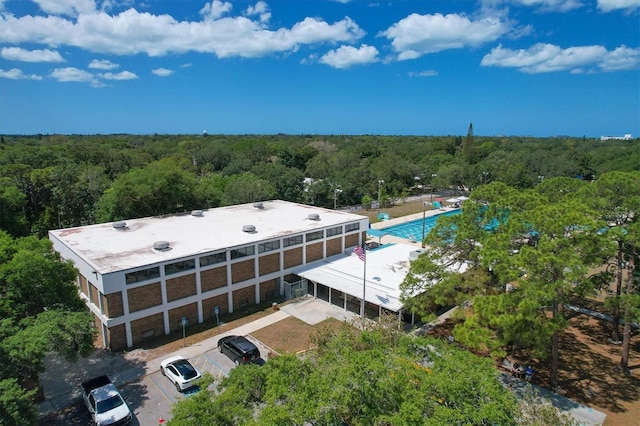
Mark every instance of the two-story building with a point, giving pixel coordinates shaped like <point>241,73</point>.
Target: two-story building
<point>146,277</point>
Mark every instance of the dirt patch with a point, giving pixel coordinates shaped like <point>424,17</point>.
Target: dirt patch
<point>589,371</point>
<point>290,335</point>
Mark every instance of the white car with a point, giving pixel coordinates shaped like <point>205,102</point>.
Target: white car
<point>180,371</point>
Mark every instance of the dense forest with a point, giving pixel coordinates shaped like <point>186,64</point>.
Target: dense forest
<point>57,181</point>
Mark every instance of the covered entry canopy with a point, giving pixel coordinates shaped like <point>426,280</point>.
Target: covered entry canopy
<point>386,269</point>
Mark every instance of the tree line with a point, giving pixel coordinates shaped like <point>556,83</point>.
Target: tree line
<point>58,181</point>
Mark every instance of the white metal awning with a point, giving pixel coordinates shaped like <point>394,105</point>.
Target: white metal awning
<point>386,268</point>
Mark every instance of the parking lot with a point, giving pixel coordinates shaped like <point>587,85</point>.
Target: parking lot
<point>151,397</point>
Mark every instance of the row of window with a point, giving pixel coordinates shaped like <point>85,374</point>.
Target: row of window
<point>212,259</point>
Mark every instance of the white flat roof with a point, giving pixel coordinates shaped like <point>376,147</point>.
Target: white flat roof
<point>108,249</point>
<point>386,266</point>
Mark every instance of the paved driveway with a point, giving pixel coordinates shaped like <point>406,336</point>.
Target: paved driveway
<point>149,394</point>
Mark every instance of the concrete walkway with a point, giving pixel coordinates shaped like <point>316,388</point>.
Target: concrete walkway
<point>584,415</point>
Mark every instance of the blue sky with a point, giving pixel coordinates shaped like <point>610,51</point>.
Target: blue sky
<point>429,67</point>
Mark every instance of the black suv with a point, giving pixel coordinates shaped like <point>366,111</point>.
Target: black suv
<point>239,349</point>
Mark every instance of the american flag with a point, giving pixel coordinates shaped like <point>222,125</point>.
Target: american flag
<point>359,251</point>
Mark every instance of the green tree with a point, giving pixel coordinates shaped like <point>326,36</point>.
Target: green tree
<point>359,378</point>
<point>542,241</point>
<point>247,188</point>
<point>16,406</point>
<point>617,196</point>
<point>12,202</point>
<point>40,311</point>
<point>163,187</point>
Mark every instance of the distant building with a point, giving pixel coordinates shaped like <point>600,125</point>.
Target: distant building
<point>145,277</point>
<point>626,137</point>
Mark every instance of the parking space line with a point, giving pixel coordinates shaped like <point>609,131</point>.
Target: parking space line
<point>162,391</point>
<point>215,364</point>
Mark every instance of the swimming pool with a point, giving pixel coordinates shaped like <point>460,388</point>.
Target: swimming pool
<point>413,230</point>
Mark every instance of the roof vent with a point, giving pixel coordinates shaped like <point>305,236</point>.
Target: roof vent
<point>258,205</point>
<point>161,245</point>
<point>249,229</point>
<point>313,216</point>
<point>120,225</point>
<point>415,254</point>
<point>196,213</point>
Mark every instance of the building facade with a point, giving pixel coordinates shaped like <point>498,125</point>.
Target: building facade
<point>150,276</point>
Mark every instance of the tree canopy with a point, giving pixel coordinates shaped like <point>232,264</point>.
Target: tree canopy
<point>527,254</point>
<point>358,378</point>
<point>40,311</point>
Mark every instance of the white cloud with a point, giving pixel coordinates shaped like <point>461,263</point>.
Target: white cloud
<point>2,5</point>
<point>162,72</point>
<point>417,35</point>
<point>67,7</point>
<point>261,10</point>
<point>72,74</point>
<point>102,64</point>
<point>23,55</point>
<point>622,58</point>
<point>425,73</point>
<point>609,5</point>
<point>16,74</point>
<point>348,56</point>
<point>123,75</point>
<point>131,32</point>
<point>541,58</point>
<point>215,9</point>
<point>540,5</point>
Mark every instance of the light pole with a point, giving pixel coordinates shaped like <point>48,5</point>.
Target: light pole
<point>433,176</point>
<point>335,197</point>
<point>380,182</point>
<point>484,177</point>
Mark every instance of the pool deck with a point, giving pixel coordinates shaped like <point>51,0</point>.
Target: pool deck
<point>390,239</point>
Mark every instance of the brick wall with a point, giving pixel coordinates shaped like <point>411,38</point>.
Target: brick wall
<point>269,290</point>
<point>334,246</point>
<point>314,252</point>
<point>180,287</point>
<point>269,263</point>
<point>242,271</point>
<point>93,294</point>
<point>293,257</point>
<point>153,322</point>
<point>213,278</point>
<point>112,305</point>
<point>83,286</point>
<point>244,295</point>
<point>219,301</point>
<point>98,324</point>
<point>190,311</point>
<point>144,297</point>
<point>351,240</point>
<point>117,338</point>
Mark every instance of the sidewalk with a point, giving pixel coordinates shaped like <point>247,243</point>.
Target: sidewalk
<point>584,415</point>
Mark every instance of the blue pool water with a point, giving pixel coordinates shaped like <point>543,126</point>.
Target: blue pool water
<point>413,230</point>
